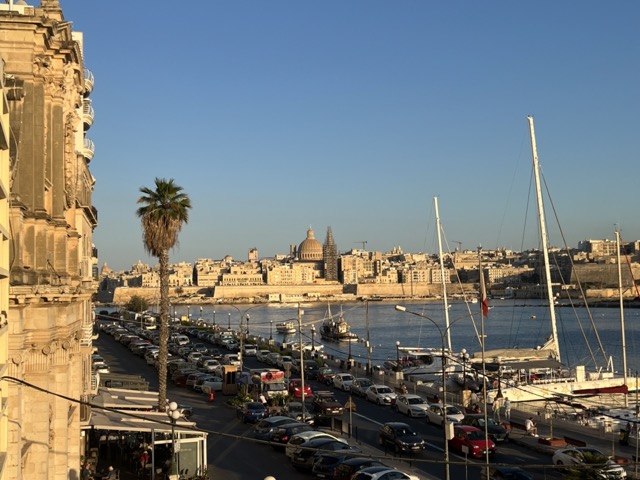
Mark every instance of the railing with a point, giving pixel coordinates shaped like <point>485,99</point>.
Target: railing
<point>87,112</point>
<point>88,81</point>
<point>89,149</point>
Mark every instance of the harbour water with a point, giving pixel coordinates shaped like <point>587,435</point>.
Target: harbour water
<point>511,323</point>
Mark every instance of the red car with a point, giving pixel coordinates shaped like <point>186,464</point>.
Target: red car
<point>471,439</point>
<point>325,375</point>
<point>295,388</point>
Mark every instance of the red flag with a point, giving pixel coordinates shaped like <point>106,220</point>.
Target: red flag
<point>483,295</point>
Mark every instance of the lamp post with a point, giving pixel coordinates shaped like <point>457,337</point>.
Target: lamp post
<point>214,319</point>
<point>313,338</point>
<point>400,308</point>
<point>464,358</point>
<point>247,329</point>
<point>350,358</point>
<point>270,331</point>
<point>188,314</point>
<point>397,354</point>
<point>229,320</point>
<point>174,414</point>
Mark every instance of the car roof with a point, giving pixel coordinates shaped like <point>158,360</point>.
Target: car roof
<point>397,424</point>
<point>467,428</point>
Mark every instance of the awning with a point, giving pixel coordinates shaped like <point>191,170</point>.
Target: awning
<point>125,399</point>
<point>141,422</point>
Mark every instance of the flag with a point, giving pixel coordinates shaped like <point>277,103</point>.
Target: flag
<point>483,295</point>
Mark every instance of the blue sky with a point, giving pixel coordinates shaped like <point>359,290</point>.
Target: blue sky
<point>279,115</point>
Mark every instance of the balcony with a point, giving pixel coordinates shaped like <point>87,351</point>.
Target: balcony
<point>88,81</point>
<point>88,149</point>
<point>87,113</point>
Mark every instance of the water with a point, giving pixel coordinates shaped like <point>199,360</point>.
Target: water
<point>511,323</point>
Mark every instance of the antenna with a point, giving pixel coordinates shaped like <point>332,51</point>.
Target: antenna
<point>363,242</point>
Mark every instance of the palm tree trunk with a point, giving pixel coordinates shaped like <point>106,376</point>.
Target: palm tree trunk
<point>163,352</point>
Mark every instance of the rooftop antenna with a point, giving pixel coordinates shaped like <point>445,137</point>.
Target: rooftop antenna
<point>363,242</point>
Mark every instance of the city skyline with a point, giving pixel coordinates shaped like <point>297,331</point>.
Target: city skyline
<point>276,117</point>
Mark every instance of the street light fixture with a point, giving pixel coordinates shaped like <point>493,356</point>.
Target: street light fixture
<point>247,331</point>
<point>464,358</point>
<point>174,414</point>
<point>214,319</point>
<point>401,308</point>
<point>270,331</point>
<point>313,338</point>
<point>229,320</point>
<point>397,354</point>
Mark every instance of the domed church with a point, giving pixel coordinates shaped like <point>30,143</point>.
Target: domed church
<point>310,250</point>
<point>323,258</point>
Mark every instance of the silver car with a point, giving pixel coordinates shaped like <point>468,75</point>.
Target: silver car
<point>411,405</point>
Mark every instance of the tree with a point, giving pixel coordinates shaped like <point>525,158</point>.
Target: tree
<point>163,213</point>
<point>137,304</point>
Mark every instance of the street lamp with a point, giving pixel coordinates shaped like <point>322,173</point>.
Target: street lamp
<point>397,354</point>
<point>174,414</point>
<point>464,358</point>
<point>188,314</point>
<point>247,331</point>
<point>214,319</point>
<point>229,320</point>
<point>313,338</point>
<point>350,358</point>
<point>270,331</point>
<point>400,308</point>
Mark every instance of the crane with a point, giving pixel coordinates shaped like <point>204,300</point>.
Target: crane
<point>363,242</point>
<point>459,245</point>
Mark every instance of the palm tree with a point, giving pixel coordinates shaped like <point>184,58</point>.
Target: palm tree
<point>162,214</point>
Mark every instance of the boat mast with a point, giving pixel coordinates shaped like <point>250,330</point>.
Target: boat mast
<point>543,235</point>
<point>444,284</point>
<point>624,341</point>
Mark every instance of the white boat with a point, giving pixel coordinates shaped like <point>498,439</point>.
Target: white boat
<point>557,383</point>
<point>286,328</point>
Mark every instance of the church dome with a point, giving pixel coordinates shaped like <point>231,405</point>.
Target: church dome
<point>310,250</point>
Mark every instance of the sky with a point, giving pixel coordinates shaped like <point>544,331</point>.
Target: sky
<point>276,116</point>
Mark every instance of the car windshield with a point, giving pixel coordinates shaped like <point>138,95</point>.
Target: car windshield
<point>404,432</point>
<point>384,390</point>
<point>416,401</point>
<point>476,435</point>
<point>452,411</point>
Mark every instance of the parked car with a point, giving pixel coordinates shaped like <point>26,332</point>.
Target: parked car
<point>473,439</point>
<point>411,405</point>
<point>497,432</point>
<point>212,384</point>
<point>380,394</point>
<point>295,388</point>
<point>251,412</point>
<point>311,369</point>
<point>360,385</point>
<point>261,355</point>
<point>272,358</point>
<point>400,437</point>
<point>263,430</point>
<point>382,473</point>
<point>249,350</point>
<point>284,432</point>
<point>343,381</point>
<point>303,458</point>
<point>347,468</point>
<point>602,464</point>
<point>299,440</point>
<point>210,365</point>
<point>282,360</point>
<point>294,410</point>
<point>436,412</point>
<point>325,464</point>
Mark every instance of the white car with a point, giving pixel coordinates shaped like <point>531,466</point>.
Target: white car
<point>436,410</point>
<point>605,467</point>
<point>343,381</point>
<point>380,394</point>
<point>250,350</point>
<point>411,405</point>
<point>212,383</point>
<point>210,365</point>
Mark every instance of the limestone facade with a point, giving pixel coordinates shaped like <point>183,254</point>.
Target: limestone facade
<point>52,258</point>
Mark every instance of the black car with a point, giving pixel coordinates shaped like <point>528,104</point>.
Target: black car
<point>347,468</point>
<point>283,433</point>
<point>304,457</point>
<point>400,437</point>
<point>496,431</point>
<point>252,412</point>
<point>311,369</point>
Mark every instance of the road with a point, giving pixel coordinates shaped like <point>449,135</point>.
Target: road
<point>233,454</point>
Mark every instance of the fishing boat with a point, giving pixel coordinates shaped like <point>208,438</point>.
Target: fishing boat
<point>336,329</point>
<point>554,381</point>
<point>286,328</point>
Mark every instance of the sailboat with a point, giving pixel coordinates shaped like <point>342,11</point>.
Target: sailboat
<point>576,383</point>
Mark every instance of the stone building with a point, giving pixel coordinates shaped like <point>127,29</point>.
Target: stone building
<point>330,257</point>
<point>51,255</point>
<point>4,269</point>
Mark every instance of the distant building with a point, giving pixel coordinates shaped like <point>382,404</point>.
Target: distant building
<point>330,257</point>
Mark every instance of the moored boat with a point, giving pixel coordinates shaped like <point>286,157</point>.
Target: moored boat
<point>286,328</point>
<point>336,329</point>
